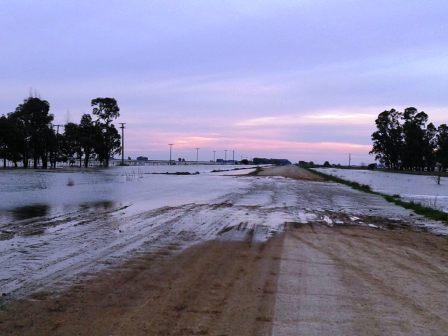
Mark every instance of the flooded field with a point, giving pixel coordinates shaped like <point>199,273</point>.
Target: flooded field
<point>57,227</point>
<point>58,221</point>
<point>417,188</point>
<point>123,252</point>
<point>32,193</point>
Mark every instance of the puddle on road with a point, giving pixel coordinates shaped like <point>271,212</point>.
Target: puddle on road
<point>35,219</point>
<point>101,205</point>
<point>30,211</point>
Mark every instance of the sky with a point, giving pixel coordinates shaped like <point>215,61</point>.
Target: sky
<point>302,79</point>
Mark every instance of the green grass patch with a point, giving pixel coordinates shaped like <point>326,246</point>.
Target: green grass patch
<point>416,207</point>
<point>354,185</point>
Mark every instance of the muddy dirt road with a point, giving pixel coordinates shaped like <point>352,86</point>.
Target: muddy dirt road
<point>339,262</point>
<point>353,281</point>
<point>311,280</point>
<point>293,172</point>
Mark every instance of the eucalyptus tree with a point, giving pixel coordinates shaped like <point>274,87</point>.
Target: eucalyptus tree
<point>442,146</point>
<point>72,146</point>
<point>89,134</point>
<point>414,145</point>
<point>14,140</point>
<point>4,129</point>
<point>33,118</point>
<point>387,140</point>
<point>429,147</point>
<point>107,142</point>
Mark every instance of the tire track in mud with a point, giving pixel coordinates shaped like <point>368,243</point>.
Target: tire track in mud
<point>346,257</point>
<point>404,259</point>
<point>215,288</point>
<point>185,224</point>
<point>119,247</point>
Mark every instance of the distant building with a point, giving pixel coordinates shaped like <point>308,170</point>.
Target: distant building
<point>222,161</point>
<point>278,162</point>
<point>142,158</point>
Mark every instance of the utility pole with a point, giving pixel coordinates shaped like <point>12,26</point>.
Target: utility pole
<point>122,142</point>
<point>197,154</point>
<point>171,148</point>
<point>214,156</point>
<point>349,159</point>
<point>225,156</point>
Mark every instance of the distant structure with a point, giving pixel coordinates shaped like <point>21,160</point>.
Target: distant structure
<point>278,162</point>
<point>142,158</point>
<point>223,161</point>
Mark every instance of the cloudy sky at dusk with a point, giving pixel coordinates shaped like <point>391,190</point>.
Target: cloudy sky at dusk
<point>299,79</point>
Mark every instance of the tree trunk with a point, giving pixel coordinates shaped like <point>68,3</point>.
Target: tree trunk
<point>45,161</point>
<point>86,159</point>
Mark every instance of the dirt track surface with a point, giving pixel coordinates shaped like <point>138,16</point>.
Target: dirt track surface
<point>291,172</point>
<point>359,281</point>
<point>218,288</point>
<point>311,280</point>
<point>347,263</point>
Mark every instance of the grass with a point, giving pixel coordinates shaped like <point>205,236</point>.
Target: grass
<point>425,211</point>
<point>393,171</point>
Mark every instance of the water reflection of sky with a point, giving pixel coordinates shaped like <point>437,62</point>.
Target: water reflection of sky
<point>29,194</point>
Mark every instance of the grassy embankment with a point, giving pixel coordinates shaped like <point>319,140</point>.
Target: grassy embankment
<point>392,171</point>
<point>417,208</point>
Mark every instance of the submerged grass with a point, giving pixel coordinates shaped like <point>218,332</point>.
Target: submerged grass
<point>425,211</point>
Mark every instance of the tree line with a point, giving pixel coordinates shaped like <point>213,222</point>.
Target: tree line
<point>408,141</point>
<point>28,135</point>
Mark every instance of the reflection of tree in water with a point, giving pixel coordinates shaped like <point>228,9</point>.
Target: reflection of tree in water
<point>100,205</point>
<point>30,211</point>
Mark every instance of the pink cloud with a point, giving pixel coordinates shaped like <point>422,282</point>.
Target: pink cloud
<point>159,140</point>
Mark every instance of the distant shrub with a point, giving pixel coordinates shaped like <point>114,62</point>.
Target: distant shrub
<point>365,187</point>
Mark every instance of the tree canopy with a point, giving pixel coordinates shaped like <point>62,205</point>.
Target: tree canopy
<point>27,134</point>
<point>405,140</point>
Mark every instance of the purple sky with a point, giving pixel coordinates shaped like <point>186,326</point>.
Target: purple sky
<point>296,79</point>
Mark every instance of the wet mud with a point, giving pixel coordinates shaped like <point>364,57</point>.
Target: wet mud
<point>281,256</point>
